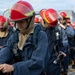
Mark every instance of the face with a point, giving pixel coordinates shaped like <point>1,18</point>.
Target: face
<point>22,24</point>
<point>63,21</point>
<point>3,27</point>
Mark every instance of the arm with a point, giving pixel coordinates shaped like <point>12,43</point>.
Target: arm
<point>6,52</point>
<point>70,31</point>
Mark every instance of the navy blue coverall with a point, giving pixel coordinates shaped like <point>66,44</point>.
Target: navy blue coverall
<point>52,69</point>
<point>65,33</point>
<point>3,40</point>
<point>32,61</point>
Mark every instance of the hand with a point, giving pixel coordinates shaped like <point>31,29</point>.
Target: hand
<point>1,46</point>
<point>6,68</point>
<point>64,54</point>
<point>62,26</point>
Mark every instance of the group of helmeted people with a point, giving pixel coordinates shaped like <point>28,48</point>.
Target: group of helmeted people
<point>36,47</point>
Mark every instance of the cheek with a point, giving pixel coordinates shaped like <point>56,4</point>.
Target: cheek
<point>24,25</point>
<point>20,25</point>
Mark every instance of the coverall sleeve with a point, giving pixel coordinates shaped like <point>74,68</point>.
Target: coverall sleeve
<point>36,64</point>
<point>6,54</point>
<point>70,31</point>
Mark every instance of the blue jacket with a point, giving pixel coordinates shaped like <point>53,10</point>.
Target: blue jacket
<point>65,34</point>
<point>33,61</point>
<point>3,40</point>
<point>51,34</point>
<point>52,68</point>
<point>74,40</point>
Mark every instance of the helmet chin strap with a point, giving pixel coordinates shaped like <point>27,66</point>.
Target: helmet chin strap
<point>28,23</point>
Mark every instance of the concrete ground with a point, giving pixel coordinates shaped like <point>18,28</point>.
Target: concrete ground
<point>71,73</point>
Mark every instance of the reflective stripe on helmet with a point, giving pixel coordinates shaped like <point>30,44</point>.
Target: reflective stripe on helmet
<point>45,17</point>
<point>29,13</point>
<point>50,17</point>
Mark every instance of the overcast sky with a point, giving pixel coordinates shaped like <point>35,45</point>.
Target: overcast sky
<point>41,4</point>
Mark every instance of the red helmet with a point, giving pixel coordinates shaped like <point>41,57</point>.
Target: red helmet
<point>3,21</point>
<point>50,16</point>
<point>36,20</point>
<point>63,14</point>
<point>21,10</point>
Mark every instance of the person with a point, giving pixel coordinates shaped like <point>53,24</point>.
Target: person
<point>36,20</point>
<point>5,31</point>
<point>67,32</point>
<point>69,22</point>
<point>27,59</point>
<point>72,50</point>
<point>49,25</point>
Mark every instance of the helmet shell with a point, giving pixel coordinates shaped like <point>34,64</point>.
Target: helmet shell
<point>3,21</point>
<point>50,16</point>
<point>63,14</point>
<point>21,10</point>
<point>36,20</point>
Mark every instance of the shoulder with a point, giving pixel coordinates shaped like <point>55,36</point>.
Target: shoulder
<point>38,29</point>
<point>42,34</point>
<point>14,35</point>
<point>11,30</point>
